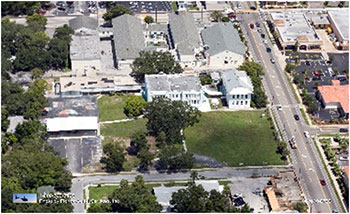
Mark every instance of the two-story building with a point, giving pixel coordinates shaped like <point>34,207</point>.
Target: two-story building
<point>223,46</point>
<point>179,87</point>
<point>185,39</point>
<point>237,88</point>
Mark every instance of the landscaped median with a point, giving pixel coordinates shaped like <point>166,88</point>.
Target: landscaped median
<point>240,138</point>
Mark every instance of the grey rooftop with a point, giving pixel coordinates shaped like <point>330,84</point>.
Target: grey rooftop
<point>85,47</point>
<point>172,82</point>
<point>222,37</point>
<point>128,36</point>
<point>236,79</point>
<point>83,22</point>
<point>184,30</point>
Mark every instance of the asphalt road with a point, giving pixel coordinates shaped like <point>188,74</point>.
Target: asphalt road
<point>80,183</point>
<point>306,160</point>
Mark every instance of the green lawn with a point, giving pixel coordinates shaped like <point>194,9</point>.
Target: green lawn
<point>112,107</point>
<point>234,138</point>
<point>124,129</point>
<point>98,193</point>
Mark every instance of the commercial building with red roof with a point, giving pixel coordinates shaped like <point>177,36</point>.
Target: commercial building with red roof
<point>335,96</point>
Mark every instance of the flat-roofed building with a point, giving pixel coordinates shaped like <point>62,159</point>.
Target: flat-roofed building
<point>336,97</point>
<point>293,29</point>
<point>319,21</point>
<point>339,20</point>
<point>84,24</point>
<point>85,54</point>
<point>179,87</point>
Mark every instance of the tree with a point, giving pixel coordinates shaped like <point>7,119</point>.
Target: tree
<point>116,11</point>
<point>148,19</point>
<point>138,142</point>
<point>225,19</point>
<point>301,207</point>
<point>19,8</point>
<point>36,73</point>
<point>146,158</point>
<point>194,176</point>
<point>282,149</point>
<point>134,198</point>
<point>298,80</point>
<point>115,157</point>
<point>4,121</point>
<point>196,199</point>
<point>170,117</point>
<point>226,191</point>
<point>134,106</point>
<point>289,68</point>
<point>31,129</point>
<point>259,98</point>
<point>216,16</point>
<point>99,208</point>
<point>154,63</point>
<point>36,22</point>
<point>174,158</point>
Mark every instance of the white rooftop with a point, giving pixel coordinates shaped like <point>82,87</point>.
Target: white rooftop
<point>71,123</point>
<point>341,21</point>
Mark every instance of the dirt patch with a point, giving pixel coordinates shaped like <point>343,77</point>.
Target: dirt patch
<point>91,168</point>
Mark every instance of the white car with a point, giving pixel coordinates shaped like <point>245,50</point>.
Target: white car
<point>265,41</point>
<point>306,133</point>
<point>279,107</point>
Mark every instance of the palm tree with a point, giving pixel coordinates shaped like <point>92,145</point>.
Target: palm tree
<point>216,15</point>
<point>194,176</point>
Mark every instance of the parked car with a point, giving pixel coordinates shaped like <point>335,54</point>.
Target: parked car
<point>279,107</point>
<point>292,143</point>
<point>296,117</point>
<point>262,36</point>
<point>253,8</point>
<point>306,133</point>
<point>344,158</point>
<point>343,130</point>
<point>307,63</point>
<point>251,26</point>
<point>323,182</point>
<point>272,61</point>
<point>257,24</point>
<point>268,50</point>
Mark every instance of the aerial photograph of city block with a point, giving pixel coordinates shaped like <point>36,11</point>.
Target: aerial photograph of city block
<point>174,106</point>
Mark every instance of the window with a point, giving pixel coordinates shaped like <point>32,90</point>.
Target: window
<point>225,61</point>
<point>246,102</point>
<point>233,96</point>
<point>246,96</point>
<point>237,103</point>
<point>241,102</point>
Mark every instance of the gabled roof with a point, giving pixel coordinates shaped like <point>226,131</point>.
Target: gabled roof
<point>222,37</point>
<point>85,47</point>
<point>83,22</point>
<point>236,80</point>
<point>128,36</point>
<point>184,30</point>
<point>164,194</point>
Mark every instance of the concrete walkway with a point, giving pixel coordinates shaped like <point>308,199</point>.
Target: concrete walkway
<point>120,121</point>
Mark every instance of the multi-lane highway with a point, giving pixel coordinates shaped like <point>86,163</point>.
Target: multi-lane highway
<point>305,158</point>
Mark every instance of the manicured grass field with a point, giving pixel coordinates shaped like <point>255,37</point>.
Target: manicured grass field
<point>234,138</point>
<point>112,107</point>
<point>124,129</point>
<point>98,193</point>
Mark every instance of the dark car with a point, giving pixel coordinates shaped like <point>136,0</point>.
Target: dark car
<point>323,182</point>
<point>239,201</point>
<point>257,24</point>
<point>268,50</point>
<point>307,63</point>
<point>251,26</point>
<point>262,36</point>
<point>296,117</point>
<point>343,130</point>
<point>253,8</point>
<point>61,3</point>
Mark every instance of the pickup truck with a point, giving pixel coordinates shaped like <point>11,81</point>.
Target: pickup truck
<point>293,143</point>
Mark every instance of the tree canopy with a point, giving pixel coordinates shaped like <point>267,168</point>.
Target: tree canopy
<point>149,19</point>
<point>154,63</point>
<point>37,22</point>
<point>134,106</point>
<point>116,11</point>
<point>175,158</point>
<point>136,197</point>
<point>216,16</point>
<point>255,71</point>
<point>115,157</point>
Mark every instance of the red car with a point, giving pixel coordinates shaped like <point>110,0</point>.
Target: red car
<point>323,182</point>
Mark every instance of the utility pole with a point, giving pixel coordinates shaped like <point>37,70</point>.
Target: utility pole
<point>202,14</point>
<point>156,14</point>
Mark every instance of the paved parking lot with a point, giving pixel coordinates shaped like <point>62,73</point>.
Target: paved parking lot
<point>147,6</point>
<point>78,151</point>
<point>246,186</point>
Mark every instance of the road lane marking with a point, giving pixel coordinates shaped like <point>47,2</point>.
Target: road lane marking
<point>323,192</point>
